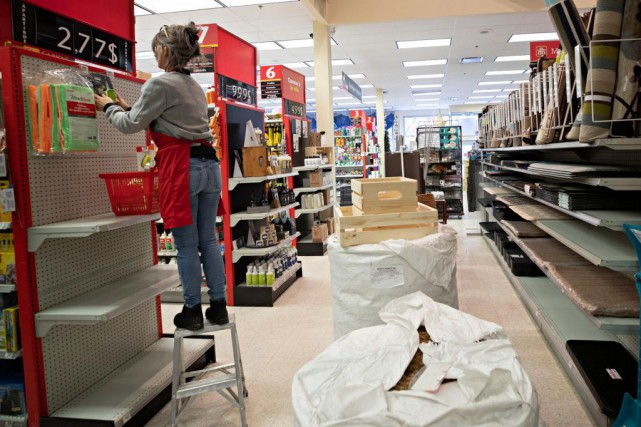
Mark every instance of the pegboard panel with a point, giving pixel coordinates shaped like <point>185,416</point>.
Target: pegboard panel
<point>65,187</point>
<point>76,357</point>
<point>67,268</point>
<point>631,343</point>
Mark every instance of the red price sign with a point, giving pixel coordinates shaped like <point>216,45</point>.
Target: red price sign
<point>548,49</point>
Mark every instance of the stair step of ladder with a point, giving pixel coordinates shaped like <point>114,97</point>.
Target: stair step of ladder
<point>201,386</point>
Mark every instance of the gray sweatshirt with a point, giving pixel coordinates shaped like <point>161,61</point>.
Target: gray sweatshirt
<point>172,103</point>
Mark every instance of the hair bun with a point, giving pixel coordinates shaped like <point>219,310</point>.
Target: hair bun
<point>193,35</point>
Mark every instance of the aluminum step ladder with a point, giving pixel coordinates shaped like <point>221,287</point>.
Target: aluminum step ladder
<point>222,378</point>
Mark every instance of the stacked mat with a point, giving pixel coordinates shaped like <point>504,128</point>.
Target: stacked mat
<point>523,229</point>
<point>547,250</point>
<point>598,291</point>
<point>570,171</point>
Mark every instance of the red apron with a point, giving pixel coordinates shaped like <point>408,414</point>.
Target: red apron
<point>172,160</point>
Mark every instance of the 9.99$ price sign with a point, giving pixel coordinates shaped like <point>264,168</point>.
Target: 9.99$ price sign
<point>238,91</point>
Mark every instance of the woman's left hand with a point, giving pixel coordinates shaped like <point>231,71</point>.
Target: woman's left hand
<point>101,101</point>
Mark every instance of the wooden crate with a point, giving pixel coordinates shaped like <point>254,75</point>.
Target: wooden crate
<point>384,195</point>
<point>354,229</point>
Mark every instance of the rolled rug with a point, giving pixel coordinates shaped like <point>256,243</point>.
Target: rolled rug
<point>601,80</point>
<point>628,72</point>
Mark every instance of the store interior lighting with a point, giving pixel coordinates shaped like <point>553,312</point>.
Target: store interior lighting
<point>410,44</point>
<point>425,76</point>
<point>424,63</point>
<point>533,37</point>
<point>505,72</point>
<point>512,58</point>
<point>267,46</point>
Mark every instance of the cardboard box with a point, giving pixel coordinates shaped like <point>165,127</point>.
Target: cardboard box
<point>330,226</point>
<point>316,179</point>
<point>255,161</point>
<point>319,233</point>
<point>327,197</point>
<point>314,139</point>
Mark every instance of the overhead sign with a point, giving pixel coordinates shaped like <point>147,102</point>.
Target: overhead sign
<point>202,64</point>
<point>547,49</point>
<point>293,85</point>
<point>352,87</point>
<point>270,81</point>
<point>41,28</point>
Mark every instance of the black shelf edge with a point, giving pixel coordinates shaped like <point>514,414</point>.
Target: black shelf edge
<point>262,296</point>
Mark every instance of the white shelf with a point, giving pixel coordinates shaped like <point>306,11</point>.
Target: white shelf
<point>10,354</point>
<point>237,254</point>
<point>601,246</point>
<point>10,419</point>
<point>5,289</point>
<point>348,166</point>
<point>274,121</point>
<point>348,176</point>
<point>313,168</point>
<point>611,143</point>
<point>299,190</point>
<point>167,253</point>
<point>244,216</point>
<point>300,212</point>
<point>110,300</point>
<point>233,182</point>
<point>610,219</point>
<point>614,183</point>
<point>123,393</point>
<point>83,227</point>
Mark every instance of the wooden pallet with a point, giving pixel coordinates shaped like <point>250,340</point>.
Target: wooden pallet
<point>354,229</point>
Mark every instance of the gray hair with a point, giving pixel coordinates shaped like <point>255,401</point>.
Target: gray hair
<point>182,41</point>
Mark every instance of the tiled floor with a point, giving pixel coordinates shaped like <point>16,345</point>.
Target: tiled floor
<point>276,342</point>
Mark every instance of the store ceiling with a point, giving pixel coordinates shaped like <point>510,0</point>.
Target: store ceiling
<point>374,52</point>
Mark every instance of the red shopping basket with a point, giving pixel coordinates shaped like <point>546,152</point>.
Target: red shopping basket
<point>132,193</point>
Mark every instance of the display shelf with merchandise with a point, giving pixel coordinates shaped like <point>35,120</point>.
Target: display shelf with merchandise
<point>299,190</point>
<point>233,182</point>
<point>300,212</point>
<point>312,167</point>
<point>619,144</point>
<point>244,216</point>
<point>265,296</point>
<point>237,254</point>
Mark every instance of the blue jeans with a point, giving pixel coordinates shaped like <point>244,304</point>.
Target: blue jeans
<point>205,185</point>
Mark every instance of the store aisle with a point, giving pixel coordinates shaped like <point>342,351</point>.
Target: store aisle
<point>277,341</point>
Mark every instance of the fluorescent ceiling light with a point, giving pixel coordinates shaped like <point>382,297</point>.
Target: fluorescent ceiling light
<point>410,44</point>
<point>347,103</point>
<point>367,86</point>
<point>148,54</point>
<point>267,46</point>
<point>500,96</point>
<point>167,6</point>
<point>369,96</point>
<point>351,76</point>
<point>310,78</point>
<point>505,72</point>
<point>533,37</point>
<point>427,94</point>
<point>425,76</point>
<point>480,97</point>
<point>293,44</point>
<point>512,58</point>
<point>472,60</point>
<point>486,90</point>
<point>234,3</point>
<point>516,82</point>
<point>503,82</point>
<point>295,65</point>
<point>343,97</point>
<point>139,11</point>
<point>426,62</point>
<point>335,62</point>
<point>425,86</point>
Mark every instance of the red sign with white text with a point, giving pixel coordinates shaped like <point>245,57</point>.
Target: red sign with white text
<point>293,85</point>
<point>371,123</point>
<point>271,72</point>
<point>548,49</point>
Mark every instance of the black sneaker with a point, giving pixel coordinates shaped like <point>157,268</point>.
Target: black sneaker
<point>190,318</point>
<point>217,312</point>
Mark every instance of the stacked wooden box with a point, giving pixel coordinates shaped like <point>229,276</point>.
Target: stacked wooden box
<point>384,208</point>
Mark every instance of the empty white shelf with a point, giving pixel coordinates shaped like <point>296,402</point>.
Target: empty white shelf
<point>233,182</point>
<point>601,246</point>
<point>83,227</point>
<point>299,190</point>
<point>244,216</point>
<point>110,300</point>
<point>237,254</point>
<point>300,212</point>
<point>124,392</point>
<point>313,168</point>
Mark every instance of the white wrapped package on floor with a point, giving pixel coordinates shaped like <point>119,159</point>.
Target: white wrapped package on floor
<point>346,385</point>
<point>366,277</point>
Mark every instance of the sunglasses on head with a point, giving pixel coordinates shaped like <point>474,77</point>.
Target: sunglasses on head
<point>164,30</point>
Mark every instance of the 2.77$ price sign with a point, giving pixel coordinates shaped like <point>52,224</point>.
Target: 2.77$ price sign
<point>38,27</point>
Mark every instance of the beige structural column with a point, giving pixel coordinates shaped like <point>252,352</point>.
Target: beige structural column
<point>380,129</point>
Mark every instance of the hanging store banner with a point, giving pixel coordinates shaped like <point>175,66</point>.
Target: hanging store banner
<point>352,87</point>
<point>547,49</point>
<point>35,26</point>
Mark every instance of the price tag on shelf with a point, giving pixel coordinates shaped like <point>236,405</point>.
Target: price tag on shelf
<point>294,108</point>
<point>238,91</point>
<point>8,200</point>
<point>38,27</point>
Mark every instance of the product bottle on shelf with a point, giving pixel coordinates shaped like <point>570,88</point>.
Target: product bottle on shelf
<point>163,241</point>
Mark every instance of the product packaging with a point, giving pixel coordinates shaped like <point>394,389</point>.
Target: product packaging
<point>61,112</point>
<point>12,328</point>
<point>7,259</point>
<point>12,400</point>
